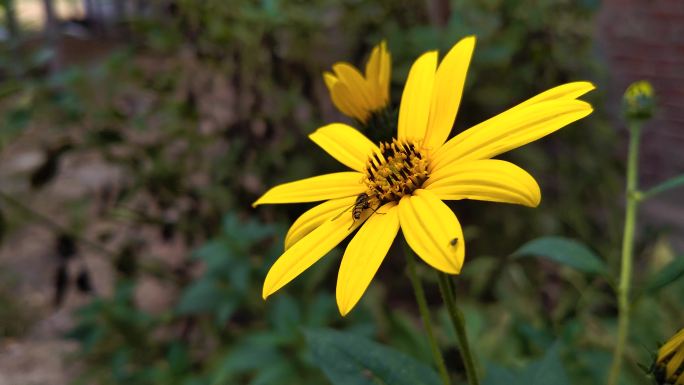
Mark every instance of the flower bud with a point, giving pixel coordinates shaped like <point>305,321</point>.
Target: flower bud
<point>639,101</point>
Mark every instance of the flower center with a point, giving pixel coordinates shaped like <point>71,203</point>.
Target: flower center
<point>397,170</point>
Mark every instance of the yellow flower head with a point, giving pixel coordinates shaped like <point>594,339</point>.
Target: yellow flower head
<point>355,95</point>
<point>402,184</point>
<point>669,366</point>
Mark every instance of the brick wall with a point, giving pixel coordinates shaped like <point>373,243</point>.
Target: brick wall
<point>644,39</point>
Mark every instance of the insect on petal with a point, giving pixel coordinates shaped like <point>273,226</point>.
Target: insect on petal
<point>363,256</point>
<point>430,228</point>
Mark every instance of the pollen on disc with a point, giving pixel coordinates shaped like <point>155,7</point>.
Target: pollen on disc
<point>398,169</point>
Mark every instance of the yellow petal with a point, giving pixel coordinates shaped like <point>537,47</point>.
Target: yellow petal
<point>373,71</point>
<point>345,144</point>
<point>347,102</point>
<point>353,79</point>
<point>432,231</point>
<point>417,97</point>
<point>363,256</point>
<point>314,217</point>
<point>566,91</point>
<point>385,72</point>
<point>671,345</point>
<point>329,80</point>
<point>446,97</point>
<point>377,75</point>
<point>675,364</point>
<point>509,130</point>
<point>317,188</point>
<point>308,250</point>
<point>374,62</point>
<point>487,180</point>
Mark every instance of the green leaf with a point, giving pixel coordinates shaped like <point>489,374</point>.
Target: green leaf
<point>564,251</point>
<point>178,358</point>
<point>547,370</point>
<point>243,358</point>
<point>285,315</point>
<point>667,275</point>
<point>218,257</point>
<point>347,359</point>
<point>496,375</point>
<point>280,372</point>
<point>239,277</point>
<point>248,357</point>
<point>406,337</point>
<point>226,310</point>
<point>202,296</point>
<point>321,309</point>
<point>244,233</point>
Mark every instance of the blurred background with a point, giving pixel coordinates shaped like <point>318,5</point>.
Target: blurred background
<point>134,135</point>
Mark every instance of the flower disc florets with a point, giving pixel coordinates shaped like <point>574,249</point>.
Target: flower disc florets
<point>398,169</point>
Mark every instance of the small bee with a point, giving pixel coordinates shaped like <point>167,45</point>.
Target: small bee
<point>453,242</point>
<point>362,203</point>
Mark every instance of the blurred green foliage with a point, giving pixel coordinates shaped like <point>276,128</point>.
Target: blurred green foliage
<point>347,359</point>
<point>219,332</point>
<point>564,251</point>
<point>206,104</point>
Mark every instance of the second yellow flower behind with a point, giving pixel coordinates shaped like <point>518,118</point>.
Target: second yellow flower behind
<point>359,96</point>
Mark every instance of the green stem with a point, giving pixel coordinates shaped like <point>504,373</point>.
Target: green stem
<point>632,199</point>
<point>662,187</point>
<point>425,314</point>
<point>447,289</point>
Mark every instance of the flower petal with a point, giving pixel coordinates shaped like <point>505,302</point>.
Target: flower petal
<point>488,180</point>
<point>385,72</point>
<point>373,63</point>
<point>509,130</point>
<point>432,231</point>
<point>317,188</point>
<point>346,144</point>
<point>373,70</point>
<point>363,256</point>
<point>329,80</point>
<point>673,366</point>
<point>314,217</point>
<point>350,76</point>
<point>446,97</point>
<point>347,102</point>
<point>308,250</point>
<point>566,91</point>
<point>416,99</point>
<point>672,344</point>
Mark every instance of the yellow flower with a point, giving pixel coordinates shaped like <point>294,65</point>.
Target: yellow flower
<point>356,96</point>
<point>406,180</point>
<point>669,367</point>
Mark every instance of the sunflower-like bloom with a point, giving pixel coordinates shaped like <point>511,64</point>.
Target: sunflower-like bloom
<point>355,95</point>
<point>669,366</point>
<point>403,183</point>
